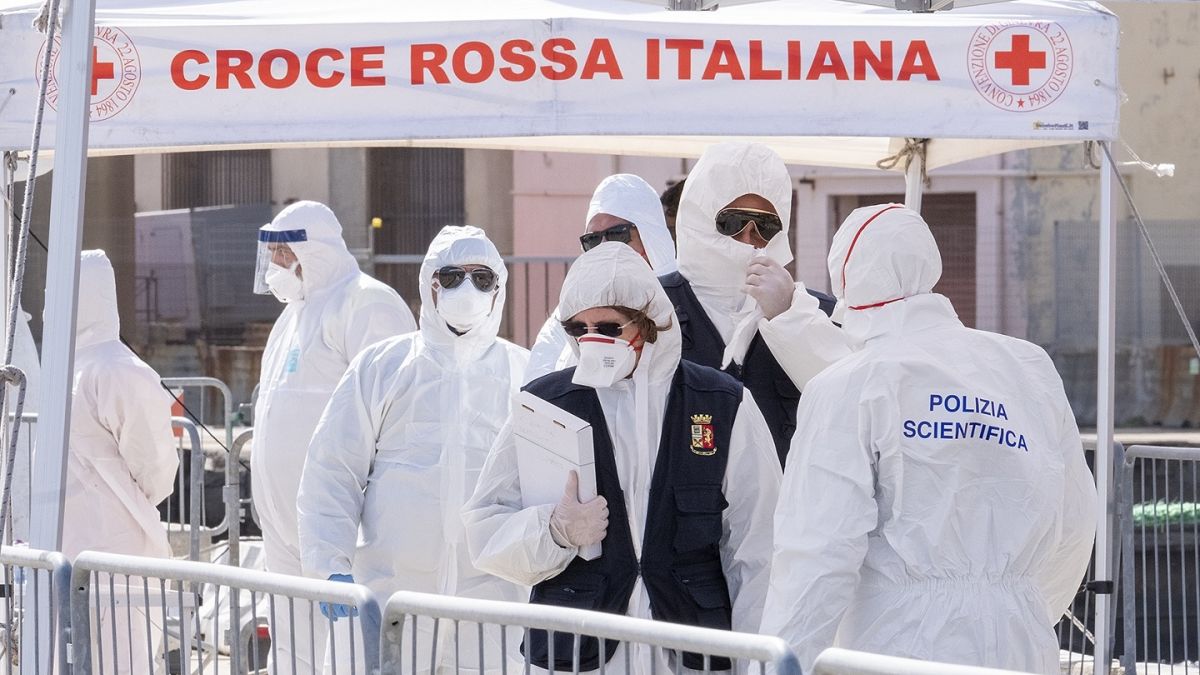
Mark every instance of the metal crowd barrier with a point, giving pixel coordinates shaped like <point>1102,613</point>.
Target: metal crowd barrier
<point>405,642</point>
<point>36,611</point>
<point>149,615</point>
<point>202,383</point>
<point>186,510</point>
<point>227,418</point>
<point>235,506</point>
<point>835,661</point>
<point>1159,529</point>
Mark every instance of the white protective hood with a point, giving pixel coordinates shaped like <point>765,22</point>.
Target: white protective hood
<point>614,275</point>
<point>725,172</point>
<point>461,245</point>
<point>627,196</point>
<point>324,258</point>
<point>97,320</point>
<point>869,264</point>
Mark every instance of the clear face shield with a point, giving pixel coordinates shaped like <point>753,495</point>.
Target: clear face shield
<point>274,248</point>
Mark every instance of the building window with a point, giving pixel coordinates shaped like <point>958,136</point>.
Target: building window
<point>195,179</point>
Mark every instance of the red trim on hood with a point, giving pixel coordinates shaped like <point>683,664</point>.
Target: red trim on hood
<point>854,242</point>
<point>878,304</point>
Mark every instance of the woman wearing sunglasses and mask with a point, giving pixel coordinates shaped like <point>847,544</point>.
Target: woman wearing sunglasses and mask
<point>686,474</point>
<point>397,452</point>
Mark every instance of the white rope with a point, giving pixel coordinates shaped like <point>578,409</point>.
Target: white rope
<point>50,9</point>
<point>913,148</point>
<point>42,21</point>
<point>1164,170</point>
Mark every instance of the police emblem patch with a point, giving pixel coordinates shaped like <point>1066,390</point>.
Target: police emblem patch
<point>704,440</point>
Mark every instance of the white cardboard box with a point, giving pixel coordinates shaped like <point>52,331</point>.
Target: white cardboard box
<point>551,443</point>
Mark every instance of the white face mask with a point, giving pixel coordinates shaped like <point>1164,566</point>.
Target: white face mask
<point>603,361</point>
<point>464,307</point>
<point>284,283</point>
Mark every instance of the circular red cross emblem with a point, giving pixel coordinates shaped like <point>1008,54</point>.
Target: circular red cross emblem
<point>1020,66</point>
<point>116,72</point>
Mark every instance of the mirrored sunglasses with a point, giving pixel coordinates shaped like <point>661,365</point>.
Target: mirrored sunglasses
<point>622,233</point>
<point>452,275</point>
<point>731,222</point>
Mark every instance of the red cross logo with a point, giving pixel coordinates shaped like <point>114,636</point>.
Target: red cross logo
<point>1020,60</point>
<point>105,70</point>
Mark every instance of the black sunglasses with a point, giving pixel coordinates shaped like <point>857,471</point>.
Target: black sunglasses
<point>730,222</point>
<point>451,276</point>
<point>578,329</point>
<point>622,233</point>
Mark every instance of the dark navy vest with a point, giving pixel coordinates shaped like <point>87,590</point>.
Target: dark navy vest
<point>681,560</point>
<point>774,392</point>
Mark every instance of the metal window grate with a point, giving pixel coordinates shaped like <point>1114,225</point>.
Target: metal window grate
<point>194,179</point>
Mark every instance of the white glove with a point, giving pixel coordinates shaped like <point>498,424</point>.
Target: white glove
<point>770,285</point>
<point>574,524</point>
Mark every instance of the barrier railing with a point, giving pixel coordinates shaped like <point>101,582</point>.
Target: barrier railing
<point>1159,529</point>
<point>845,662</point>
<point>37,610</point>
<point>203,383</point>
<point>492,626</point>
<point>185,510</point>
<point>235,506</point>
<point>147,611</point>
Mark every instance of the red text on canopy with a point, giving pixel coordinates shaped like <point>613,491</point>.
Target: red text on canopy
<point>324,67</point>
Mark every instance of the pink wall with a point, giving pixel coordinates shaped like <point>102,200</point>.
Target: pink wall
<point>551,193</point>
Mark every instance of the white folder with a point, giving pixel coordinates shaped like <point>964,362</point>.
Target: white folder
<point>551,443</point>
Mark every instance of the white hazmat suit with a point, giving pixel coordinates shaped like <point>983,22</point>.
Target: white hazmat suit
<point>399,449</point>
<point>937,505</point>
<point>626,196</point>
<point>515,542</point>
<point>342,312</point>
<point>122,458</point>
<point>802,338</point>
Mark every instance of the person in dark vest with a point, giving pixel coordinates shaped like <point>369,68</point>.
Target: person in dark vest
<point>686,472</point>
<point>738,308</point>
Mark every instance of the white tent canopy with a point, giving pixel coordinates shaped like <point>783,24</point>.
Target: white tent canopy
<point>825,82</point>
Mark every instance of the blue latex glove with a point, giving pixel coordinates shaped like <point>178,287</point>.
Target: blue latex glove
<point>332,611</point>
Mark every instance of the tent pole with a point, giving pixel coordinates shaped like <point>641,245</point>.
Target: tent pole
<point>1105,376</point>
<point>62,272</point>
<point>62,294</point>
<point>913,183</point>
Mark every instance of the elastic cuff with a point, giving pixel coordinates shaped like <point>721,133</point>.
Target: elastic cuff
<point>557,534</point>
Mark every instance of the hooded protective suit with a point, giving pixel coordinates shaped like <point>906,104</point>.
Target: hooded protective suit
<point>802,339</point>
<point>399,448</point>
<point>937,504</point>
<point>515,542</point>
<point>623,195</point>
<point>342,312</point>
<point>122,457</point>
